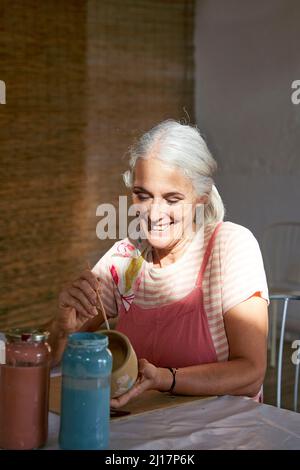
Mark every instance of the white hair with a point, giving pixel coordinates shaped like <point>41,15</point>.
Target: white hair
<point>181,146</point>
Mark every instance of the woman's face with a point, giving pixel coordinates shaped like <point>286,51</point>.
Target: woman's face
<point>166,201</point>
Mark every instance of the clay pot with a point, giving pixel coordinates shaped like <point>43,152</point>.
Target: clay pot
<point>125,364</point>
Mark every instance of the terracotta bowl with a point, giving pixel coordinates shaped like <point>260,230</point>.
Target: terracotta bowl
<point>125,364</point>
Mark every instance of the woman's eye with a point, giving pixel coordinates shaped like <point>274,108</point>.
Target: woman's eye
<point>142,197</point>
<point>172,201</point>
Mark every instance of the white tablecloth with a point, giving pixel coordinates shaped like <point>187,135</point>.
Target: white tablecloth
<point>219,423</point>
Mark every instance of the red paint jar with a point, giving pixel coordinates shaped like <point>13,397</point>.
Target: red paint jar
<point>24,390</point>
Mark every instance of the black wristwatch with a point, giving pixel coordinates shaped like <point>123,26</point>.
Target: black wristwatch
<point>173,370</point>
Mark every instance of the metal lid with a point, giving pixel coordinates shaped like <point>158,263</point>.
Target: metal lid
<point>29,335</point>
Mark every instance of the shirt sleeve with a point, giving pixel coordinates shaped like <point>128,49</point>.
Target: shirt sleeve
<point>101,269</point>
<point>243,269</point>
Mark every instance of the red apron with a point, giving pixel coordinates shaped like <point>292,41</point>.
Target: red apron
<point>175,334</point>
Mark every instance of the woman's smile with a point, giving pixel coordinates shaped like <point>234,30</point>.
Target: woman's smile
<point>159,227</point>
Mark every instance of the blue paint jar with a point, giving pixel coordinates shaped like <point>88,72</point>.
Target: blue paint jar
<point>85,402</point>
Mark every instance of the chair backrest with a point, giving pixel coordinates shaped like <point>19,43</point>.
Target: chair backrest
<point>281,252</point>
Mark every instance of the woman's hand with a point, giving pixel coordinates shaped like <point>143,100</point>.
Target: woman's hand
<point>78,303</point>
<point>77,311</point>
<point>149,378</point>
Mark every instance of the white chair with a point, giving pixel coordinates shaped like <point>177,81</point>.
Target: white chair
<point>281,252</point>
<point>286,299</point>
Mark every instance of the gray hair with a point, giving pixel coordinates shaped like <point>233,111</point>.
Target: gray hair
<point>181,146</point>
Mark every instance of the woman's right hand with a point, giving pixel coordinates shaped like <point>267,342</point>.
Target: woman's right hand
<point>78,303</point>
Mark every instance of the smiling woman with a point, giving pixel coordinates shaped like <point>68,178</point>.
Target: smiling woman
<point>191,297</point>
<point>165,199</point>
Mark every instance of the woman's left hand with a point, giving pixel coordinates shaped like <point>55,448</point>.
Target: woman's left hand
<point>148,379</point>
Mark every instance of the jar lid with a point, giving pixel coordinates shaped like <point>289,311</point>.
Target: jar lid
<point>29,335</point>
<point>90,340</point>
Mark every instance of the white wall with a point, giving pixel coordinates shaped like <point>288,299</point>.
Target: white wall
<point>247,54</point>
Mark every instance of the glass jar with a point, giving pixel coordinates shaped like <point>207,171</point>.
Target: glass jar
<point>24,389</point>
<point>85,404</point>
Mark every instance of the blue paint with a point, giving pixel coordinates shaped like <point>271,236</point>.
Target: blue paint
<point>85,405</point>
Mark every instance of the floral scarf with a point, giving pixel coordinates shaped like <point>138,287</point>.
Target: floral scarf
<point>126,269</point>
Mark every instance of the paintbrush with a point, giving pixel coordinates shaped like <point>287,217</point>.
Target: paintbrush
<point>101,304</point>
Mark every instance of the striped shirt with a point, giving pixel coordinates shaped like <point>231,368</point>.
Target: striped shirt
<point>234,273</point>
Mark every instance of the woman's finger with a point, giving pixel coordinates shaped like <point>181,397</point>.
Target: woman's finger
<point>87,290</point>
<point>91,278</point>
<point>140,387</point>
<point>79,295</point>
<point>70,301</point>
<point>142,364</point>
<point>123,399</point>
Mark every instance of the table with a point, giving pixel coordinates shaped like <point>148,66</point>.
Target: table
<point>217,423</point>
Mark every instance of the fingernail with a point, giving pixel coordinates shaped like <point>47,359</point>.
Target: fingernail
<point>95,311</point>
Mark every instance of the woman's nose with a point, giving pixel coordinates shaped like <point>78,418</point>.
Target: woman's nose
<point>155,212</point>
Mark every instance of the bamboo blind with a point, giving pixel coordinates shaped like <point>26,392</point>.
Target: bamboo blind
<point>83,79</point>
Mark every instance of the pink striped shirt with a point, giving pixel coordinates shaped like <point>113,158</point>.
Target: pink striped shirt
<point>234,273</point>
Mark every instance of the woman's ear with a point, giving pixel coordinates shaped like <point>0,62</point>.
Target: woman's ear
<point>202,199</point>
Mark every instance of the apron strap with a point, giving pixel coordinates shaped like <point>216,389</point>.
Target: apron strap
<point>207,254</point>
